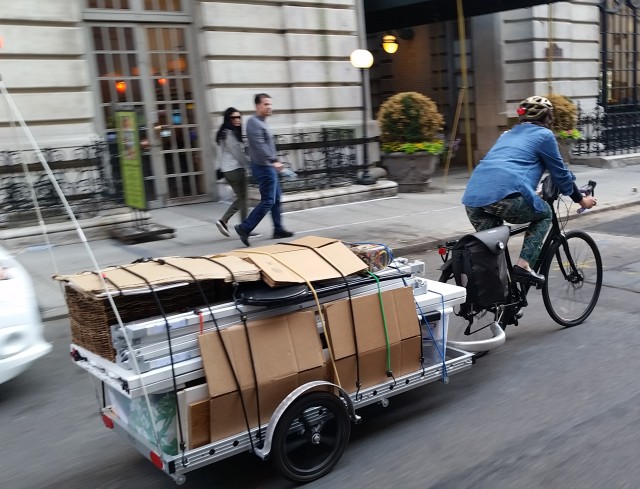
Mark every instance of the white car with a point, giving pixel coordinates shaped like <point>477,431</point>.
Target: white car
<point>21,332</point>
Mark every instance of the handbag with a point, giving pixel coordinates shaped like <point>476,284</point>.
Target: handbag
<point>219,172</point>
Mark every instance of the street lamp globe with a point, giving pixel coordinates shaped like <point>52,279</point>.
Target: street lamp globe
<point>361,58</point>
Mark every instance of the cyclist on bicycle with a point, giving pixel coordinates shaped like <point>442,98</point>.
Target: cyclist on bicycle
<point>503,185</point>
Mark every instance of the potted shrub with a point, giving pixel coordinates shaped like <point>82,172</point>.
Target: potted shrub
<point>565,121</point>
<point>410,139</point>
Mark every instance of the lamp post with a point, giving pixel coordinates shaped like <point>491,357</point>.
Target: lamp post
<point>363,59</point>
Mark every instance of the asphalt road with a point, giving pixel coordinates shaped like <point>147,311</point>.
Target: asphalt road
<point>552,408</point>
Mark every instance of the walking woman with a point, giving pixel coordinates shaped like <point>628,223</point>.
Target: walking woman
<point>233,164</point>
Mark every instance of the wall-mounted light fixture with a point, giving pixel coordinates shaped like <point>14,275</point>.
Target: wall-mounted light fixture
<point>121,86</point>
<point>390,40</point>
<point>390,43</point>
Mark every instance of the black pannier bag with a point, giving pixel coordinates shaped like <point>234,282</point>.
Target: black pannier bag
<point>480,265</point>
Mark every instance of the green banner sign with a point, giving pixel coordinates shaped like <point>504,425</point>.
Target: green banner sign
<point>130,160</point>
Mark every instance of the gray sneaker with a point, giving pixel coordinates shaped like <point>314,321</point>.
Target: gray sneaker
<point>222,227</point>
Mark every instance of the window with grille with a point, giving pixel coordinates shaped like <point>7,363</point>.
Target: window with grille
<point>620,44</point>
<point>147,5</point>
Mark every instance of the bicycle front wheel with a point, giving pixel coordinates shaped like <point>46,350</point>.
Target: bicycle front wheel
<point>573,272</point>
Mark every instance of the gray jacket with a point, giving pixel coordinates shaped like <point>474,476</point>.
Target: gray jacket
<point>262,145</point>
<point>232,153</point>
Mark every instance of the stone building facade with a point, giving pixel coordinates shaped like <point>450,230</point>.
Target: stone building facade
<point>510,55</point>
<point>69,65</point>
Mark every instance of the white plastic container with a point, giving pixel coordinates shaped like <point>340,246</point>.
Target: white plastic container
<point>434,335</point>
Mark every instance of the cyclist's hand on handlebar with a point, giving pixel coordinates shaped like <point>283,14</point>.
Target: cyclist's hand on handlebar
<point>587,202</point>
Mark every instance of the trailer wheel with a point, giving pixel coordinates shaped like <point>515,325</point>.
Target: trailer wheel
<point>310,437</point>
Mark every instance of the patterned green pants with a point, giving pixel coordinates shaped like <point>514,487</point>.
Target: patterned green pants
<point>516,211</point>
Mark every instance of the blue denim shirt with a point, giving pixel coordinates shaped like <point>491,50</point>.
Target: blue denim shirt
<point>516,163</point>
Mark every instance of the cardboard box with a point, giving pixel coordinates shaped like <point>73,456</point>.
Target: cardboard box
<point>285,351</point>
<point>227,416</point>
<point>281,346</point>
<point>294,262</point>
<point>190,402</point>
<point>404,356</point>
<point>399,311</point>
<point>199,422</point>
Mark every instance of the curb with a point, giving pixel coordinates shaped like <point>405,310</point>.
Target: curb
<point>54,314</point>
<point>429,244</point>
<point>432,244</point>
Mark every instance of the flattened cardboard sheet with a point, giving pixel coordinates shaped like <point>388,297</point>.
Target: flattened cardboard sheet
<point>294,262</point>
<point>279,264</point>
<point>163,271</point>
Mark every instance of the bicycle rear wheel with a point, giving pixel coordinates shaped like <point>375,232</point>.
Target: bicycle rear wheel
<point>573,272</point>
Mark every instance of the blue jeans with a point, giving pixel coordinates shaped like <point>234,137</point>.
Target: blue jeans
<point>270,193</point>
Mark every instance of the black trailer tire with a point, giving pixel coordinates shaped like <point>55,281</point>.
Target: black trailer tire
<point>311,437</point>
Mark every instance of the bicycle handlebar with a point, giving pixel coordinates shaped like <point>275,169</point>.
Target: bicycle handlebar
<point>587,190</point>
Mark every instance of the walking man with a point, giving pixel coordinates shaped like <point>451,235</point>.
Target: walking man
<point>265,168</point>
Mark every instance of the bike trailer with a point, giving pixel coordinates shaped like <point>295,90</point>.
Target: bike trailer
<point>270,351</point>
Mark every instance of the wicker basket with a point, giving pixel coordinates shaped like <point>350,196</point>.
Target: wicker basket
<point>91,318</point>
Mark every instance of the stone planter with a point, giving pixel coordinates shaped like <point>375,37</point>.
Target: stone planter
<point>566,149</point>
<point>411,172</point>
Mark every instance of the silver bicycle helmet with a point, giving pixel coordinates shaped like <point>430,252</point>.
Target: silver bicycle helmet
<point>534,108</point>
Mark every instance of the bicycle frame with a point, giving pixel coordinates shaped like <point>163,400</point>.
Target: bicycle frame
<point>509,311</point>
<point>555,234</point>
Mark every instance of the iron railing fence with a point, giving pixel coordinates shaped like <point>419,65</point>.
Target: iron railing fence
<point>321,160</point>
<point>614,132</point>
<point>90,179</point>
<point>81,173</point>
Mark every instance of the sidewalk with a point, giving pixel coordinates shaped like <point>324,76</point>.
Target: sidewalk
<point>407,223</point>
